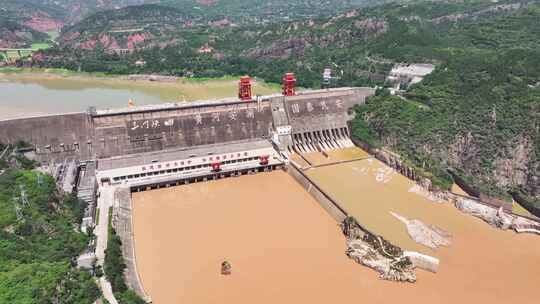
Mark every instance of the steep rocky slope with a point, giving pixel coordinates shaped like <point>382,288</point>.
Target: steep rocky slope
<point>166,23</point>
<point>476,118</point>
<point>75,10</point>
<point>20,28</point>
<point>126,28</point>
<point>20,20</point>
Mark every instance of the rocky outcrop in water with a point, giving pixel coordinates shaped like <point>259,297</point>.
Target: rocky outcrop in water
<point>496,217</point>
<point>392,269</point>
<point>376,253</point>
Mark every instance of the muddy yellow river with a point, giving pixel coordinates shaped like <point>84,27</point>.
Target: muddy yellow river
<point>28,93</point>
<point>284,248</point>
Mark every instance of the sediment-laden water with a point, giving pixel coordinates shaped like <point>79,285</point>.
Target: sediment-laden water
<point>482,264</point>
<point>284,248</point>
<point>35,94</point>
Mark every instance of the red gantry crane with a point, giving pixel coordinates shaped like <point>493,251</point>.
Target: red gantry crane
<point>244,88</point>
<point>289,84</point>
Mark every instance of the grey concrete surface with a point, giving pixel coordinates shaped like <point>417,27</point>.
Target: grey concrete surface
<point>104,134</point>
<point>105,201</point>
<point>124,228</point>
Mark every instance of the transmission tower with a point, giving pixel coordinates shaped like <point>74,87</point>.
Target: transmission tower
<point>18,209</point>
<point>40,180</point>
<point>24,197</point>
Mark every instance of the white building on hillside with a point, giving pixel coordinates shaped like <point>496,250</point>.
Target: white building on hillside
<point>404,75</point>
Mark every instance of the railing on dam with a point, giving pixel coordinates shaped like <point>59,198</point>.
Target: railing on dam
<point>325,200</point>
<point>172,181</point>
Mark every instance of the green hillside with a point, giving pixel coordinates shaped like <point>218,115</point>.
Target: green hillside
<point>477,115</point>
<point>264,11</point>
<point>360,46</point>
<point>38,243</point>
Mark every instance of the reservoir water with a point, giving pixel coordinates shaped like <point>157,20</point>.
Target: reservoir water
<point>284,248</point>
<point>37,94</point>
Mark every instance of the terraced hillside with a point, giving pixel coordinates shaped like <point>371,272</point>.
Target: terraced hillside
<point>360,45</point>
<point>22,23</point>
<point>50,16</point>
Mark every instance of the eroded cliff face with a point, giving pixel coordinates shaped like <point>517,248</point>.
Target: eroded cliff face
<point>281,49</point>
<point>110,42</point>
<point>514,170</point>
<point>298,37</point>
<point>10,39</point>
<point>43,22</point>
<point>515,165</point>
<point>488,165</point>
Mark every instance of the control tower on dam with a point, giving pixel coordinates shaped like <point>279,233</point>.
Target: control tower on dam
<point>307,121</point>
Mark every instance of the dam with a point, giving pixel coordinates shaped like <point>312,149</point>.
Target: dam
<point>298,121</point>
<point>166,144</point>
<point>152,146</point>
<point>163,168</point>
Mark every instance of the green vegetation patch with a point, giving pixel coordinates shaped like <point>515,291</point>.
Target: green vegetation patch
<point>114,267</point>
<point>475,113</point>
<point>40,46</point>
<point>39,242</point>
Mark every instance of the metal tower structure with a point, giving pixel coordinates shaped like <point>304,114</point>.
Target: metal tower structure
<point>289,84</point>
<point>244,88</point>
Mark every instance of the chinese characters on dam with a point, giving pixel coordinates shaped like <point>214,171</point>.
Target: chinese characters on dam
<point>152,126</point>
<point>315,107</point>
<point>198,118</point>
<point>226,122</point>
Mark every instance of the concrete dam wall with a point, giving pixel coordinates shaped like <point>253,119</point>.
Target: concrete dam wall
<point>316,115</point>
<point>54,137</point>
<point>128,132</point>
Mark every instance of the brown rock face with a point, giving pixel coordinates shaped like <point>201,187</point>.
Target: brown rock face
<point>135,39</point>
<point>372,26</point>
<point>515,166</point>
<point>108,42</point>
<point>70,36</point>
<point>282,49</point>
<point>514,170</point>
<point>9,39</point>
<point>463,151</point>
<point>43,23</point>
<point>88,44</point>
